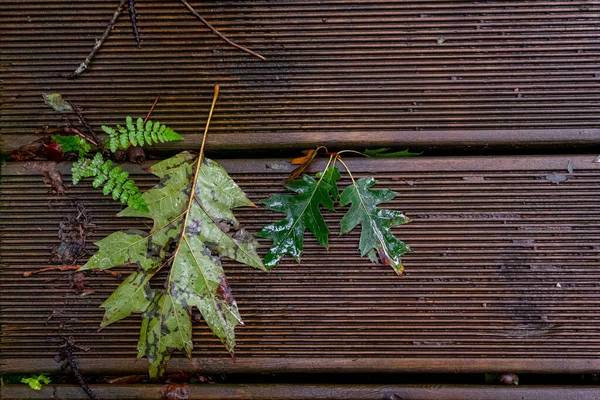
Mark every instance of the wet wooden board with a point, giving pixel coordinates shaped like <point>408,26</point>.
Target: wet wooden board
<point>503,277</point>
<point>416,73</point>
<point>302,392</point>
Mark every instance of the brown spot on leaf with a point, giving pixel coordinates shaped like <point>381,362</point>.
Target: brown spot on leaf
<point>224,290</point>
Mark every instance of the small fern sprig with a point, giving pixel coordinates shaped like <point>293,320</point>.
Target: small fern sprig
<point>138,134</point>
<point>111,178</point>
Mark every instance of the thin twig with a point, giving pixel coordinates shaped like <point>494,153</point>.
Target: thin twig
<point>49,269</point>
<point>85,123</point>
<point>219,34</point>
<point>84,65</point>
<point>133,15</point>
<point>151,109</point>
<point>66,268</point>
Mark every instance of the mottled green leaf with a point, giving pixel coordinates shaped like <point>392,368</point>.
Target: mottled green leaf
<point>132,296</point>
<point>166,326</point>
<point>120,248</point>
<point>56,102</point>
<point>194,227</point>
<point>302,212</point>
<point>376,240</point>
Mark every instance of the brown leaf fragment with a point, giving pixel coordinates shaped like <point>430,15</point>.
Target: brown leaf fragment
<point>303,161</point>
<point>42,149</point>
<point>309,155</point>
<point>50,175</point>
<point>78,282</point>
<point>224,291</point>
<point>175,391</point>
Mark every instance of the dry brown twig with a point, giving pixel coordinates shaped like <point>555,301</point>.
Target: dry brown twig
<point>133,15</point>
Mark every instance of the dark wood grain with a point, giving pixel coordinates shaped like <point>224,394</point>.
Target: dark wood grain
<point>305,392</point>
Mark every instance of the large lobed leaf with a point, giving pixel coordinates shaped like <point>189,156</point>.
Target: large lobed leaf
<point>194,227</point>
<point>302,212</point>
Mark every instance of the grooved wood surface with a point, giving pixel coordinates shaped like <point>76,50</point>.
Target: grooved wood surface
<point>305,392</point>
<point>504,276</point>
<point>415,73</point>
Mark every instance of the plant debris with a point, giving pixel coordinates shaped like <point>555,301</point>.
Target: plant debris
<point>56,102</point>
<point>50,175</point>
<point>66,354</point>
<point>42,149</point>
<point>134,19</point>
<point>73,232</point>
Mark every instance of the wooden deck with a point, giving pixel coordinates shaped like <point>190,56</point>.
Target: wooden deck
<point>504,276</point>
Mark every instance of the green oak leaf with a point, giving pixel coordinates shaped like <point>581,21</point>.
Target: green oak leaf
<point>132,296</point>
<point>302,212</point>
<point>120,248</point>
<point>376,240</point>
<point>194,227</point>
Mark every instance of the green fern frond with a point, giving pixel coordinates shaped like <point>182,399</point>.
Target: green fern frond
<point>113,180</point>
<point>138,134</point>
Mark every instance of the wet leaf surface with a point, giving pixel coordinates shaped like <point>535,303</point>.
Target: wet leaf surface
<point>194,227</point>
<point>376,240</point>
<point>303,211</point>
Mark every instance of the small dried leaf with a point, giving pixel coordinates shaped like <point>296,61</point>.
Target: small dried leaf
<point>309,155</point>
<point>304,162</point>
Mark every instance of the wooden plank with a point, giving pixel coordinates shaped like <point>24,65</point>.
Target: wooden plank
<point>306,391</point>
<point>421,74</point>
<point>503,277</point>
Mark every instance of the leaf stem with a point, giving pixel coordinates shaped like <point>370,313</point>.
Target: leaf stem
<point>194,181</point>
<point>347,169</point>
<point>212,107</point>
<point>353,151</point>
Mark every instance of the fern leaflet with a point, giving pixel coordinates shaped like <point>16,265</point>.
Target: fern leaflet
<point>111,178</point>
<point>138,134</point>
